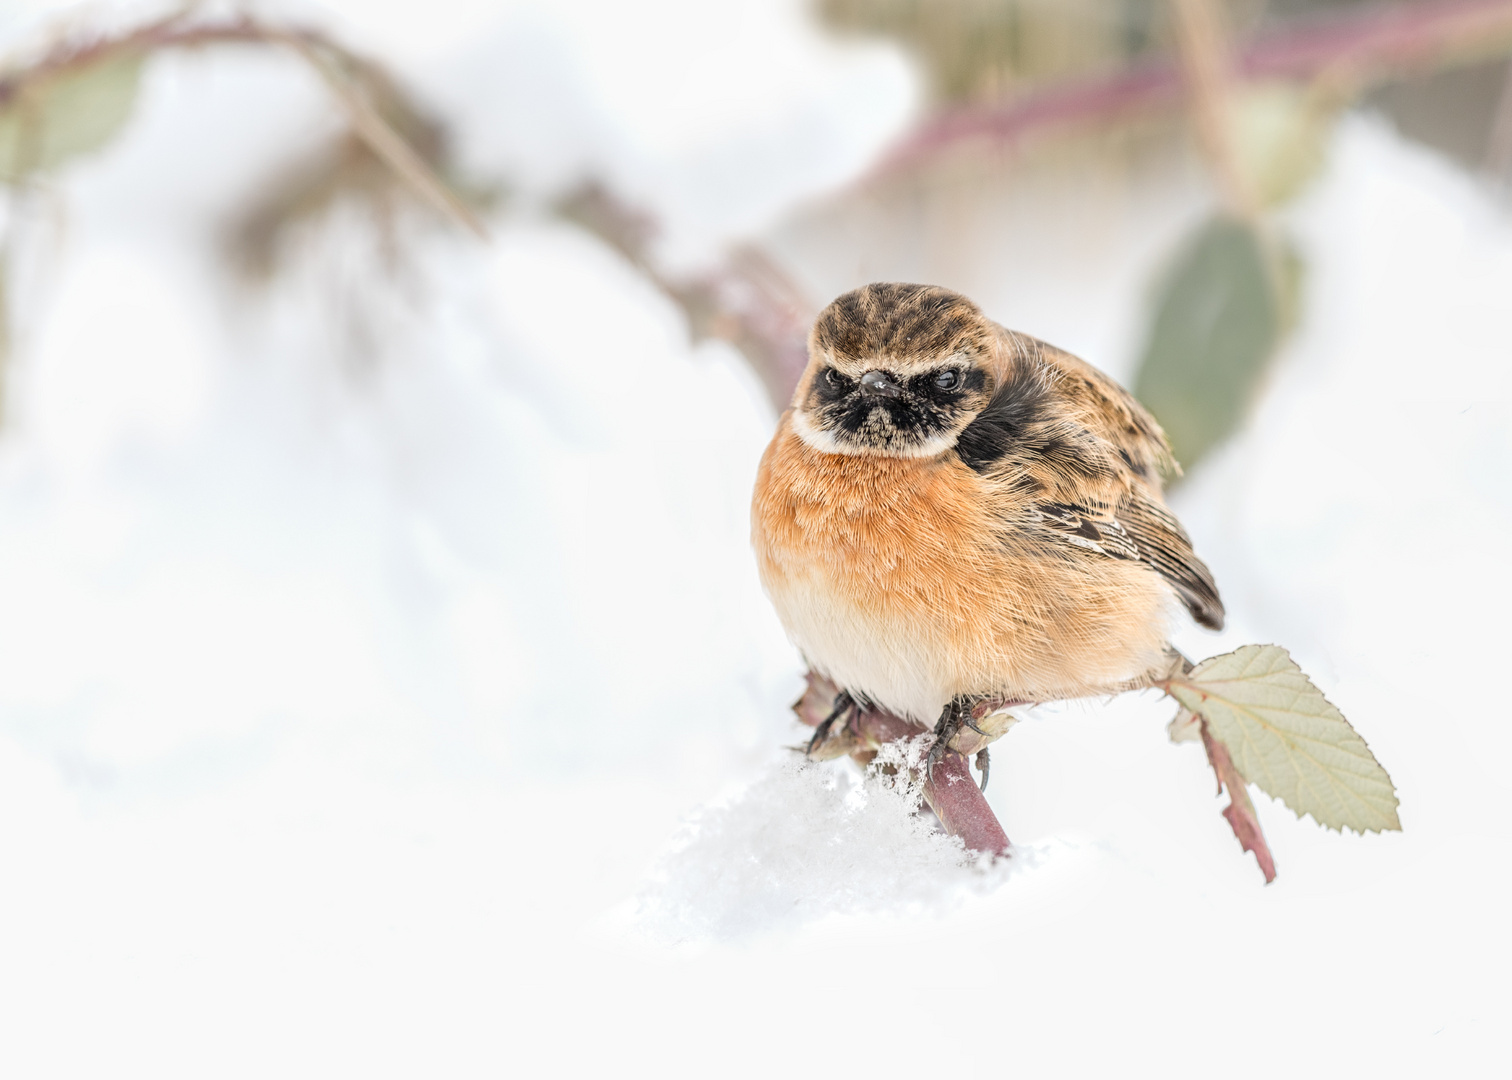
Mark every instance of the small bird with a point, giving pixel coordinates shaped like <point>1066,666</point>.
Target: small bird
<point>952,512</point>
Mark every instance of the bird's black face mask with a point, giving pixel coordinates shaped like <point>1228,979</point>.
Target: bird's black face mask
<point>877,410</point>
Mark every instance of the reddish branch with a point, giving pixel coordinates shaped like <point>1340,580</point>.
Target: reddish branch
<point>1355,49</point>
<point>950,790</point>
<point>1240,812</point>
<point>176,31</point>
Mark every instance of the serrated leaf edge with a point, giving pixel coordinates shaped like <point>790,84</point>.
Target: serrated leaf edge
<point>1195,695</point>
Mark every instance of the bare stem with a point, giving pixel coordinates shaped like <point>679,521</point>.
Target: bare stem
<point>383,140</point>
<point>1240,812</point>
<point>1499,145</point>
<point>1202,45</point>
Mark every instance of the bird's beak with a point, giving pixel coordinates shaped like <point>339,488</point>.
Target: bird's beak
<point>877,384</point>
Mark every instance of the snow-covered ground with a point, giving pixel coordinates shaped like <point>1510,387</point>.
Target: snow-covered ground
<point>431,723</point>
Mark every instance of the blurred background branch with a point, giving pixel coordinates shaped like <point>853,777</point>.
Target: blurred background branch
<point>1203,47</point>
<point>78,95</point>
<point>1262,82</point>
<point>1352,50</point>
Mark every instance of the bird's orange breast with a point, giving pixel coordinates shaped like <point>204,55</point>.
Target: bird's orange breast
<point>884,532</point>
<point>896,579</point>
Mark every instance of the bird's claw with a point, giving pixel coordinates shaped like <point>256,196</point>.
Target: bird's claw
<point>842,704</point>
<point>951,721</point>
<point>956,716</point>
<point>984,765</point>
<point>936,752</point>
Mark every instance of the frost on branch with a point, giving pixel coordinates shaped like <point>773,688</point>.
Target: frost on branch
<point>1285,737</point>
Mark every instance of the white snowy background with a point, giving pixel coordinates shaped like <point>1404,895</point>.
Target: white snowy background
<point>431,723</point>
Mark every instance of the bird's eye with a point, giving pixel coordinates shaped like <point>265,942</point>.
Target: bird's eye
<point>834,378</point>
<point>947,380</point>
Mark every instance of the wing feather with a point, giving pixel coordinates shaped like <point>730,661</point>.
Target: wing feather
<point>1079,461</point>
<point>1143,530</point>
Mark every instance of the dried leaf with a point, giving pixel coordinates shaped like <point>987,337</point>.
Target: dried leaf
<point>67,113</point>
<point>1218,319</point>
<point>813,708</point>
<point>994,720</point>
<point>1286,738</point>
<point>1185,726</point>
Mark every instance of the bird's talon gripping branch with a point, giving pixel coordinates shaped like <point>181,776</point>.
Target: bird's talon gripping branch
<point>984,765</point>
<point>843,704</point>
<point>956,716</point>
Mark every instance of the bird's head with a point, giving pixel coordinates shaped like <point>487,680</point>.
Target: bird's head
<point>895,370</point>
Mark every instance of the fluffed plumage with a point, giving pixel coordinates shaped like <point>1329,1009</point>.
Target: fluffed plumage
<point>953,511</point>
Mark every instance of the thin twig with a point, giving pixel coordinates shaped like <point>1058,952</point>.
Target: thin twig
<point>1240,812</point>
<point>1202,45</point>
<point>1499,143</point>
<point>383,140</point>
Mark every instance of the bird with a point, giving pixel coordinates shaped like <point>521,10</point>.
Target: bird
<point>951,512</point>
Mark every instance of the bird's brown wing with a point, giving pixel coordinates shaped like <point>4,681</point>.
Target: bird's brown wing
<point>1108,410</point>
<point>1142,530</point>
<point>1076,459</point>
<point>1164,544</point>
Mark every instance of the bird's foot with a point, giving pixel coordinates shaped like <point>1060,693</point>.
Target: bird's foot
<point>984,765</point>
<point>956,716</point>
<point>842,705</point>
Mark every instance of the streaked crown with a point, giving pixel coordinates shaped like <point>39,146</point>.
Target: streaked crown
<point>894,369</point>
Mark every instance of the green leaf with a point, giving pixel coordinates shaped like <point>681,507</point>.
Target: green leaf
<point>1288,740</point>
<point>64,114</point>
<point>1218,320</point>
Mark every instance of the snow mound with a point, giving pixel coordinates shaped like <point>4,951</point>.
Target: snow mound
<point>804,842</point>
